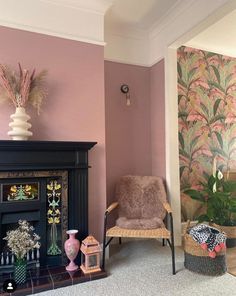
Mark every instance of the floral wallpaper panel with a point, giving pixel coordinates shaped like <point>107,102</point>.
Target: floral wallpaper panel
<point>207,119</point>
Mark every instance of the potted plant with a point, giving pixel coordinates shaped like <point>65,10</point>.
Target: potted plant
<point>20,241</point>
<point>218,196</point>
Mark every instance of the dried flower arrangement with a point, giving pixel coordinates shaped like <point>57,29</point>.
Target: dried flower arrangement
<point>22,87</point>
<point>22,239</point>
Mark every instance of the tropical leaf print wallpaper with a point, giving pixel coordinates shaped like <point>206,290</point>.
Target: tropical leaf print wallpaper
<point>207,119</point>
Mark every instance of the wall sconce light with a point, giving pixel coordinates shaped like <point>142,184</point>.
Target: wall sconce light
<point>125,90</point>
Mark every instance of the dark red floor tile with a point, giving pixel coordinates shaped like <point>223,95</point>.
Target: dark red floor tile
<point>23,289</point>
<point>22,292</point>
<point>39,272</point>
<point>79,277</point>
<point>98,275</point>
<point>2,293</point>
<point>57,269</point>
<point>61,280</point>
<point>46,279</point>
<point>42,284</point>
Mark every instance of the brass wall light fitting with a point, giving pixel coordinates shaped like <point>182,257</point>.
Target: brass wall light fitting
<point>125,90</point>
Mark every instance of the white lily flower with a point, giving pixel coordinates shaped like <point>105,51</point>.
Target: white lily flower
<point>214,188</point>
<point>219,175</point>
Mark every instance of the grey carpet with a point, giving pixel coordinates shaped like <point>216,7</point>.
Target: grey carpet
<point>144,268</point>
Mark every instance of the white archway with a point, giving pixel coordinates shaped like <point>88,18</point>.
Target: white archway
<point>171,112</point>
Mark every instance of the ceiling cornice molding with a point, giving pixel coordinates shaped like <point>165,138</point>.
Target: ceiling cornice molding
<point>125,31</point>
<point>129,33</point>
<point>38,30</point>
<point>127,48</point>
<point>70,19</point>
<point>182,26</point>
<point>94,6</point>
<point>121,61</point>
<point>177,23</point>
<point>180,7</point>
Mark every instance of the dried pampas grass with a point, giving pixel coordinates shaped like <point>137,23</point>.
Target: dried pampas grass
<point>22,87</point>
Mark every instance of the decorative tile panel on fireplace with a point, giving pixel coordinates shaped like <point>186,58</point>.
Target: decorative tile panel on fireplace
<point>45,183</point>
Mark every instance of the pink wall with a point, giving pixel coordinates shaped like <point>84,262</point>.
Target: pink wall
<point>128,142</point>
<point>157,95</point>
<point>74,108</point>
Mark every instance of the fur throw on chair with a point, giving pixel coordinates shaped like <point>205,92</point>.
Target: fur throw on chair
<point>140,205</point>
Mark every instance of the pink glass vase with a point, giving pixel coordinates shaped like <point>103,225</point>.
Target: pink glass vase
<point>72,246</point>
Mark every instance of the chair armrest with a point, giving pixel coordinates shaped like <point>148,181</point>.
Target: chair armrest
<point>169,211</point>
<point>111,207</point>
<point>167,207</point>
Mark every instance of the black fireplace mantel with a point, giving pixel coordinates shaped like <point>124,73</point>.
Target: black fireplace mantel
<point>29,156</point>
<point>32,155</point>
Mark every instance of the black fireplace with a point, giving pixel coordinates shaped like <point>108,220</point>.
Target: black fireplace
<point>45,183</point>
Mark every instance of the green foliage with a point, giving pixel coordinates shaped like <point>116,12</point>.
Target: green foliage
<point>216,105</point>
<point>218,195</point>
<point>219,138</point>
<point>217,74</point>
<point>181,140</point>
<point>179,70</point>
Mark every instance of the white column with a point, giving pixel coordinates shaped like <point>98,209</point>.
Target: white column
<point>172,148</point>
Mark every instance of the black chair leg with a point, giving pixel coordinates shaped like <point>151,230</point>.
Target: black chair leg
<point>163,242</point>
<point>173,259</point>
<point>119,240</point>
<point>103,256</point>
<point>104,242</point>
<point>172,244</point>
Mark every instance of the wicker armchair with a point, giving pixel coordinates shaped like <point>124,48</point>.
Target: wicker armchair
<point>143,212</point>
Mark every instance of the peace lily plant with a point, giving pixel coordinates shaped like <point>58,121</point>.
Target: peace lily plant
<point>219,197</point>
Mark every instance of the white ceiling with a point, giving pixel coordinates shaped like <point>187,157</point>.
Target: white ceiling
<point>219,38</point>
<point>141,14</point>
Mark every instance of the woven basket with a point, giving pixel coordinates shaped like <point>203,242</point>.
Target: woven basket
<point>230,232</point>
<point>197,260</point>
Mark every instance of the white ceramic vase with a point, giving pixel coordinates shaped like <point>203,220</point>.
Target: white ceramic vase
<point>20,125</point>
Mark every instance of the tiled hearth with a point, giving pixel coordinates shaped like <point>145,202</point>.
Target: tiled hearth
<point>49,278</point>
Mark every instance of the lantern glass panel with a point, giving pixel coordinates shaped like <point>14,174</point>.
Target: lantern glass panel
<point>92,261</point>
<point>82,258</point>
